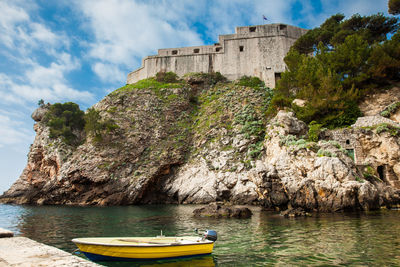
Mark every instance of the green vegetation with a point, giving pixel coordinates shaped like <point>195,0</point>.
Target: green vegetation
<point>325,153</point>
<point>92,123</point>
<point>391,129</point>
<point>209,78</point>
<point>153,83</point>
<point>65,121</point>
<point>227,109</point>
<point>394,7</point>
<point>369,172</point>
<point>334,65</point>
<point>96,127</point>
<point>250,81</point>
<point>72,124</point>
<point>358,179</point>
<point>291,140</point>
<point>314,130</point>
<point>167,77</point>
<point>252,125</point>
<point>150,83</point>
<point>391,109</point>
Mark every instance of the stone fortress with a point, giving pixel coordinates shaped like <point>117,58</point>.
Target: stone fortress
<point>252,51</point>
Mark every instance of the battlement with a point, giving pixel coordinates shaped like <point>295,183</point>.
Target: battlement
<point>252,50</point>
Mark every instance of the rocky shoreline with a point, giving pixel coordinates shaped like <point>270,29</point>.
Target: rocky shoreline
<point>201,144</point>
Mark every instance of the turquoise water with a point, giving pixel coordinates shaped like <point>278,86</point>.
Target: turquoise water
<point>267,239</point>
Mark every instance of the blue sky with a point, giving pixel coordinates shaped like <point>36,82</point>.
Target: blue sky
<point>80,50</point>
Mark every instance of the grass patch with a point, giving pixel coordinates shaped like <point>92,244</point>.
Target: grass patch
<point>150,83</point>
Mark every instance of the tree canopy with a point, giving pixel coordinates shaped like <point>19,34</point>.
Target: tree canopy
<point>64,120</point>
<point>394,7</point>
<point>333,65</point>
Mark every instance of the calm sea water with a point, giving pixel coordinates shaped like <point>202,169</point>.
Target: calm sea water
<point>267,239</point>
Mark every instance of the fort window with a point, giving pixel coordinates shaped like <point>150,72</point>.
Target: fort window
<point>381,172</point>
<point>218,49</point>
<point>174,52</point>
<point>196,50</point>
<point>277,78</point>
<point>347,142</point>
<point>282,27</point>
<point>241,48</point>
<point>252,29</point>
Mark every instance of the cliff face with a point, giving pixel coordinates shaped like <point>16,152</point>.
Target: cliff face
<point>198,144</point>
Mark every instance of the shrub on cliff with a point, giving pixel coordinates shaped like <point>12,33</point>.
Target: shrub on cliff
<point>334,65</point>
<point>313,131</point>
<point>167,77</point>
<point>93,125</point>
<point>96,127</point>
<point>250,81</point>
<point>210,78</point>
<point>65,121</point>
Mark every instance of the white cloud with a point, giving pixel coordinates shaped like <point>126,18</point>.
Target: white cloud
<point>42,34</point>
<point>10,16</point>
<point>21,33</point>
<point>126,31</point>
<point>25,42</point>
<point>12,131</point>
<point>109,72</point>
<point>13,91</point>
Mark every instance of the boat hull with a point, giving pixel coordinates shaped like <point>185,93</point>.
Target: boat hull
<point>97,257</point>
<point>120,252</point>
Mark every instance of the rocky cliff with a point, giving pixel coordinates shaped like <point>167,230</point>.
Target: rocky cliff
<point>196,142</point>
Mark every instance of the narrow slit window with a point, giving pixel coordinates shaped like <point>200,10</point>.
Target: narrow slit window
<point>381,172</point>
<point>241,48</point>
<point>196,50</point>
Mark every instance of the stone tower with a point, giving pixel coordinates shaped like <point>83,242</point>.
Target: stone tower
<point>251,50</point>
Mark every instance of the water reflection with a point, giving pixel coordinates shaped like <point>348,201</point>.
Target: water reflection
<point>265,239</point>
<point>203,261</point>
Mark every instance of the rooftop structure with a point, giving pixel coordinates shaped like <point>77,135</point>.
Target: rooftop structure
<point>251,50</point>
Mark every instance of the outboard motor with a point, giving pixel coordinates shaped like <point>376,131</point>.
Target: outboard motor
<point>210,235</point>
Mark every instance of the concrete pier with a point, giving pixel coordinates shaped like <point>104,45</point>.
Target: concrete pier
<point>22,251</point>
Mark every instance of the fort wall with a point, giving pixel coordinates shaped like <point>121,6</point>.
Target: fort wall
<point>252,50</point>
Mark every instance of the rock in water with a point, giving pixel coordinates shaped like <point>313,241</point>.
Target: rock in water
<point>297,212</point>
<point>223,211</point>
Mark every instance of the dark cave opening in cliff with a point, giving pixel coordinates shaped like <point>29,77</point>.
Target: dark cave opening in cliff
<point>381,172</point>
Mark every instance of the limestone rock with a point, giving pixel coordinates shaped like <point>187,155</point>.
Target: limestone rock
<point>222,211</point>
<point>40,112</point>
<point>293,213</point>
<point>299,102</point>
<point>160,153</point>
<point>374,103</point>
<point>368,121</point>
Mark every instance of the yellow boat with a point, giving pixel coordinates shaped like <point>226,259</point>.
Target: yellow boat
<point>145,248</point>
